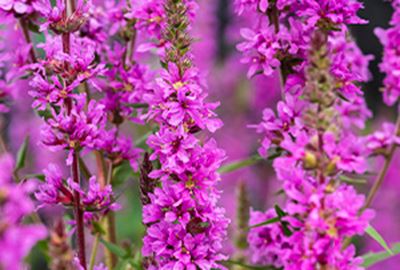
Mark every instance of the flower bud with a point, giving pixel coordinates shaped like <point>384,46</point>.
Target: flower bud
<point>310,161</point>
<point>331,167</point>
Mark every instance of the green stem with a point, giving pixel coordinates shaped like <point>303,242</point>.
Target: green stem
<point>109,223</point>
<point>94,251</point>
<point>3,148</point>
<point>379,180</point>
<point>85,170</point>
<point>246,266</point>
<point>382,174</point>
<point>239,164</point>
<point>78,212</point>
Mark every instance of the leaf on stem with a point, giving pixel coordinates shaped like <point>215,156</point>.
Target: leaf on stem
<point>372,258</point>
<point>236,165</point>
<point>120,252</point>
<point>21,156</point>
<point>378,238</point>
<point>350,180</point>
<point>267,222</point>
<point>246,266</point>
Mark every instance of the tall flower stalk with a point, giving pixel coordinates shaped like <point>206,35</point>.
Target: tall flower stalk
<point>185,228</point>
<point>61,86</point>
<point>313,132</point>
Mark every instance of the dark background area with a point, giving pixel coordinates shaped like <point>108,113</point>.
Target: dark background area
<point>378,13</point>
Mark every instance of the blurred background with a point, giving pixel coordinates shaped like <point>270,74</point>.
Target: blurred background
<point>242,101</point>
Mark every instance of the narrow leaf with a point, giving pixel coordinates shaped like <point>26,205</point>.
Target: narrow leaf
<point>21,156</point>
<point>122,265</point>
<point>98,228</point>
<point>246,266</point>
<point>236,165</point>
<point>378,238</point>
<point>137,105</point>
<point>267,222</point>
<point>350,180</point>
<point>120,252</point>
<point>140,142</point>
<point>372,258</point>
<point>281,214</point>
<point>279,211</point>
<point>40,177</point>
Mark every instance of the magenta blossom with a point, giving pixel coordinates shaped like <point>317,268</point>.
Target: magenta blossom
<point>56,190</point>
<point>16,237</point>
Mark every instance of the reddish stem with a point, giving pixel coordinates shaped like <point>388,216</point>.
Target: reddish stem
<point>27,37</point>
<point>72,5</point>
<point>80,227</point>
<point>66,43</point>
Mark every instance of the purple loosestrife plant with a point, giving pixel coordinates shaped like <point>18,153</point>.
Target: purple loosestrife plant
<point>312,132</point>
<point>185,228</point>
<point>89,70</point>
<point>73,120</point>
<point>390,65</point>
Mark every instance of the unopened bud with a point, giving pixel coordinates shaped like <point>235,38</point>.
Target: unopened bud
<point>330,188</point>
<point>310,161</point>
<point>331,167</point>
<point>3,195</point>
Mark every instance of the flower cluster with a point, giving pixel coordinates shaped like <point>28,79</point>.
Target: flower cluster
<point>151,19</point>
<point>185,228</point>
<point>56,190</point>
<point>314,133</point>
<point>16,238</point>
<point>82,74</point>
<point>18,7</point>
<point>282,33</point>
<point>75,61</point>
<point>390,64</point>
<point>379,141</point>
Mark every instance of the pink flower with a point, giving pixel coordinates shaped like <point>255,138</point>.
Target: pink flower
<point>18,6</point>
<point>56,190</point>
<point>382,139</point>
<point>390,61</point>
<point>16,238</point>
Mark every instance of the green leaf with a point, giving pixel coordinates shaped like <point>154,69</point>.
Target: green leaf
<point>137,261</point>
<point>279,211</point>
<point>119,251</point>
<point>33,27</point>
<point>38,176</point>
<point>342,97</point>
<point>350,180</point>
<point>164,65</point>
<point>38,254</point>
<point>98,228</point>
<point>122,173</point>
<point>273,153</point>
<point>236,165</point>
<point>140,142</point>
<point>281,214</point>
<point>246,266</point>
<point>46,114</point>
<point>137,105</point>
<point>269,221</point>
<point>21,156</point>
<point>134,264</point>
<point>378,238</point>
<point>372,258</point>
<point>122,265</point>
